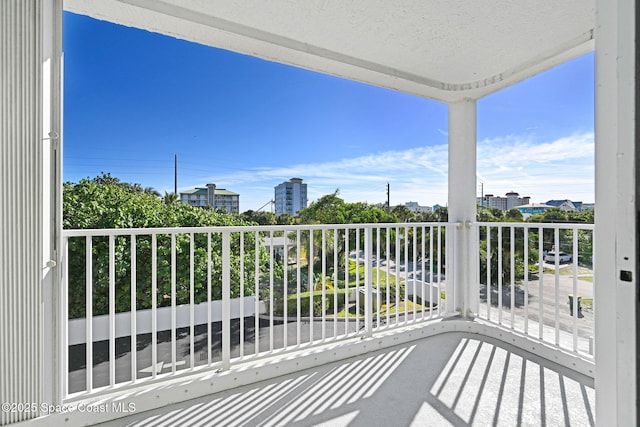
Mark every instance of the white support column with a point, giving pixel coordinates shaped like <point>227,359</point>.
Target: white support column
<point>52,299</point>
<point>615,229</point>
<point>462,284</point>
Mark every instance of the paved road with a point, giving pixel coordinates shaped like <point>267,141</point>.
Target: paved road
<point>546,300</point>
<point>268,338</point>
<point>77,362</point>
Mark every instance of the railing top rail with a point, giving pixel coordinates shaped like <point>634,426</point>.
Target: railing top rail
<point>254,228</point>
<point>535,225</point>
<point>240,228</point>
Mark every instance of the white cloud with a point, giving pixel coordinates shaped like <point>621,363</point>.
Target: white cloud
<point>562,168</point>
<point>508,151</point>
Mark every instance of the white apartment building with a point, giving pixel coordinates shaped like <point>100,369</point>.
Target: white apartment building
<point>218,198</point>
<point>511,200</point>
<point>290,197</point>
<point>415,207</point>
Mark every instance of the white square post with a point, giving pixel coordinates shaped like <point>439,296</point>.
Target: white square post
<point>615,257</point>
<point>462,283</point>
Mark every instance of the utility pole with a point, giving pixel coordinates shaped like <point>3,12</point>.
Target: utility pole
<point>175,175</point>
<point>388,197</point>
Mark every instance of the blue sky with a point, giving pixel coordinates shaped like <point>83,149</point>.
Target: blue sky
<point>133,99</point>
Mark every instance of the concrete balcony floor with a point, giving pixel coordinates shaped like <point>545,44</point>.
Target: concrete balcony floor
<point>453,378</point>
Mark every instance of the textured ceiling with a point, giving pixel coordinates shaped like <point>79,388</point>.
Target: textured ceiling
<point>440,49</point>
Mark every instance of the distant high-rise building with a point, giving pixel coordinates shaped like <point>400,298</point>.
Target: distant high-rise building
<point>415,207</point>
<point>511,200</point>
<point>217,198</point>
<point>290,197</point>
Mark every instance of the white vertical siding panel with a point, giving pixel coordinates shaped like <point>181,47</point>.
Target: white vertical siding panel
<point>21,233</point>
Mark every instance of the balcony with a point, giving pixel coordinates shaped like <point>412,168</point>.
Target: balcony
<point>448,379</point>
<point>215,309</point>
<point>452,52</point>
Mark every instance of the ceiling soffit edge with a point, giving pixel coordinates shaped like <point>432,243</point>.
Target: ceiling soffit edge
<point>439,90</point>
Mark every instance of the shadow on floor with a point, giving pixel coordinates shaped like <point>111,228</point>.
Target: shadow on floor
<point>518,300</point>
<point>449,379</point>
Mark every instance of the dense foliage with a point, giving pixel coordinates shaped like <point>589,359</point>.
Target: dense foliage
<point>502,243</point>
<point>331,209</point>
<point>105,202</point>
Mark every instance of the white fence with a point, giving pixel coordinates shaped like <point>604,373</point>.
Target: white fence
<point>548,301</point>
<point>161,300</point>
<point>167,301</point>
<point>144,319</point>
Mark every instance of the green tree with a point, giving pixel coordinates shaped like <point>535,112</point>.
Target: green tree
<point>107,179</point>
<point>550,215</point>
<point>170,198</point>
<point>105,202</point>
<point>585,237</point>
<point>286,219</point>
<point>486,215</point>
<point>363,213</point>
<point>260,218</point>
<point>514,215</point>
<point>329,209</point>
<point>586,216</point>
<point>403,213</point>
<point>152,191</point>
<point>441,214</point>
<point>505,245</point>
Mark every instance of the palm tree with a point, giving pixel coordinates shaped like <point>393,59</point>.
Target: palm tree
<point>403,213</point>
<point>170,198</point>
<point>152,191</point>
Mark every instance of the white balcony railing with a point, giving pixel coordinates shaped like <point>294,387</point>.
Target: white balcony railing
<point>168,302</point>
<point>546,297</point>
<point>164,302</point>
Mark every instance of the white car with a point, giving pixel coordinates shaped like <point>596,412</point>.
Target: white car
<point>562,256</point>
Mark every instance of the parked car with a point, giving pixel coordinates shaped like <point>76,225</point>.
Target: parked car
<point>562,256</point>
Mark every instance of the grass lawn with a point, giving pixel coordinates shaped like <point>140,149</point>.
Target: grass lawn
<point>374,275</point>
<point>391,309</point>
<point>584,273</point>
<point>404,305</point>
